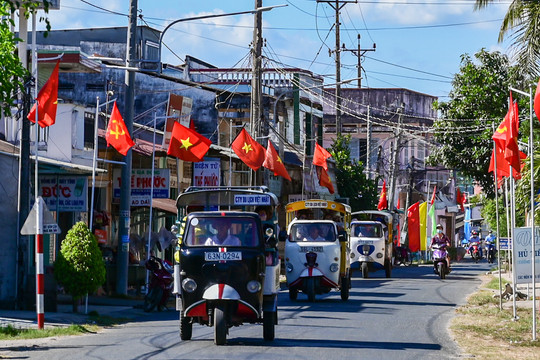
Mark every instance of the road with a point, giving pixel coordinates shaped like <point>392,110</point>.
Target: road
<point>405,317</point>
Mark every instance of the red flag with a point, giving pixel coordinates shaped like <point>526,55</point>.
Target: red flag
<point>413,222</point>
<point>320,156</point>
<point>499,136</point>
<point>187,144</point>
<point>248,150</point>
<point>273,162</point>
<point>117,133</point>
<point>537,101</point>
<point>460,199</point>
<point>324,179</point>
<point>47,101</point>
<point>511,153</point>
<point>433,196</point>
<point>383,201</point>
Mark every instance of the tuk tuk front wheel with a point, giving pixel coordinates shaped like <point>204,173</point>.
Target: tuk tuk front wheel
<point>293,294</point>
<point>220,326</point>
<point>365,270</point>
<point>310,289</point>
<point>345,286</point>
<point>186,327</point>
<point>269,321</point>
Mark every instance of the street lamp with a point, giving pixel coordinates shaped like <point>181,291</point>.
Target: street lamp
<point>260,9</point>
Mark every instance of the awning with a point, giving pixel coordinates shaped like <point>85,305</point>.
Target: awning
<point>167,205</point>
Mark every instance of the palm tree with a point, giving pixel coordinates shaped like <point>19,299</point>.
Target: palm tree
<point>522,22</point>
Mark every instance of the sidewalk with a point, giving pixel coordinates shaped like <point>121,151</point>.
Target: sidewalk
<point>103,305</point>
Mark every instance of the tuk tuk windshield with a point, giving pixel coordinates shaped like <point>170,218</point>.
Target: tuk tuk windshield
<point>312,232</point>
<point>222,231</point>
<point>366,230</point>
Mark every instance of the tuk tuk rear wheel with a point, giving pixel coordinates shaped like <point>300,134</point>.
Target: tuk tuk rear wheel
<point>365,270</point>
<point>293,294</point>
<point>345,286</point>
<point>220,326</point>
<point>310,289</point>
<point>269,321</point>
<point>186,327</point>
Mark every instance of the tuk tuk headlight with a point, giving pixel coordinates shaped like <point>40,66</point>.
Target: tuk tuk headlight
<point>379,255</point>
<point>366,249</point>
<point>289,267</point>
<point>253,286</point>
<point>352,255</point>
<point>189,285</point>
<point>334,267</point>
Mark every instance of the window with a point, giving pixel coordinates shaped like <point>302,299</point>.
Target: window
<point>313,232</point>
<point>222,231</point>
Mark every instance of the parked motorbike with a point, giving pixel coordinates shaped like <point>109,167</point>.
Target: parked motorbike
<point>490,251</point>
<point>474,250</point>
<point>440,265</point>
<point>160,286</point>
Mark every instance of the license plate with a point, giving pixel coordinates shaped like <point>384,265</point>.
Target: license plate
<point>223,256</point>
<point>311,248</point>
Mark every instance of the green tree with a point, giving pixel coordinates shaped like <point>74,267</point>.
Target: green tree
<point>350,178</point>
<point>79,266</point>
<point>477,102</point>
<point>522,21</point>
<point>489,214</point>
<point>12,71</point>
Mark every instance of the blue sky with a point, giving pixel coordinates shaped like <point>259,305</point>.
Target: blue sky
<point>419,43</point>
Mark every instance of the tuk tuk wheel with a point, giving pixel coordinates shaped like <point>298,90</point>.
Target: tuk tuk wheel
<point>388,268</point>
<point>293,294</point>
<point>220,326</point>
<point>345,286</point>
<point>310,289</point>
<point>365,270</point>
<point>186,327</point>
<point>269,321</point>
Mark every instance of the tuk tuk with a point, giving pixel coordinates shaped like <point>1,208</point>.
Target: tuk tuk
<point>371,242</point>
<point>228,267</point>
<point>316,250</point>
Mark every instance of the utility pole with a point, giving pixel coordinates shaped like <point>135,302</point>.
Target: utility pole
<point>368,143</point>
<point>396,150</point>
<point>359,52</point>
<point>125,190</point>
<point>337,5</point>
<point>256,83</point>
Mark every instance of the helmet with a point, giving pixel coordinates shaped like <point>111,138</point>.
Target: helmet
<point>474,233</point>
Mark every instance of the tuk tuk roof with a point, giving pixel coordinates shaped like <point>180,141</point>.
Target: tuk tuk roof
<point>373,213</point>
<point>224,196</point>
<point>318,204</point>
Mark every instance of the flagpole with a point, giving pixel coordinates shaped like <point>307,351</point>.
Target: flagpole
<point>512,226</point>
<point>533,237</point>
<point>497,219</point>
<point>151,202</point>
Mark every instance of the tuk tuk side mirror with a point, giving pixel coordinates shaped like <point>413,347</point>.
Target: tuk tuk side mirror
<point>282,236</point>
<point>342,236</point>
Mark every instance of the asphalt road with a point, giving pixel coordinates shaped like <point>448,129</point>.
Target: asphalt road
<point>404,317</point>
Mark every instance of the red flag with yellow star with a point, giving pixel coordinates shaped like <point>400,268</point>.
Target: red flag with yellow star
<point>248,150</point>
<point>187,144</point>
<point>47,101</point>
<point>117,133</point>
<point>324,179</point>
<point>273,162</point>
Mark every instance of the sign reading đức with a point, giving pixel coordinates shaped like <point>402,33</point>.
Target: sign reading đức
<point>141,184</point>
<point>64,193</point>
<point>523,254</point>
<point>207,173</point>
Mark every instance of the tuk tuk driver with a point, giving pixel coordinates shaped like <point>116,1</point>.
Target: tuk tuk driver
<point>313,234</point>
<point>222,237</point>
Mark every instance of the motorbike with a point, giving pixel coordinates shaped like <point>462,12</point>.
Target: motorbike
<point>440,265</point>
<point>160,286</point>
<point>490,251</point>
<point>474,250</point>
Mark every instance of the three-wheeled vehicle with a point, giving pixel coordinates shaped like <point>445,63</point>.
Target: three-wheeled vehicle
<point>372,234</point>
<point>316,250</point>
<point>228,268</point>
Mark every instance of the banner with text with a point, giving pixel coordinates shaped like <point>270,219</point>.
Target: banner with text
<point>141,183</point>
<point>64,193</point>
<point>523,254</point>
<point>207,172</point>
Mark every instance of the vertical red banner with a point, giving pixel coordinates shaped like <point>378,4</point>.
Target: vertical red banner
<point>413,222</point>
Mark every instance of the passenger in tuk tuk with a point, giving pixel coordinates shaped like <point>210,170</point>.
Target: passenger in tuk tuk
<point>313,234</point>
<point>222,237</point>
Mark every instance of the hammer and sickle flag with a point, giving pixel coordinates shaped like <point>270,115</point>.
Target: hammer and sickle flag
<point>187,144</point>
<point>117,134</point>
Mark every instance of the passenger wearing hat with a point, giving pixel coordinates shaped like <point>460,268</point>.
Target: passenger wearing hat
<point>441,239</point>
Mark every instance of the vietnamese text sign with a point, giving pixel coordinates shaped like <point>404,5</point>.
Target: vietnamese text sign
<point>141,183</point>
<point>64,193</point>
<point>251,200</point>
<point>523,254</point>
<point>206,173</point>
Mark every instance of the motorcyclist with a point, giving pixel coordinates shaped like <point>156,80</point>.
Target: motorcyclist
<point>441,239</point>
<point>477,240</point>
<point>489,241</point>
